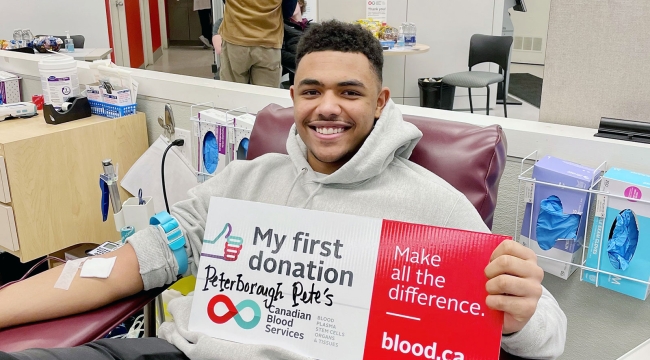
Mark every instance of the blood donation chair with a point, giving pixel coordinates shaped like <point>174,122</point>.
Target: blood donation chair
<point>469,157</point>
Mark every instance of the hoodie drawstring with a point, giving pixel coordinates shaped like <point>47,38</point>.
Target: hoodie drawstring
<point>301,173</point>
<point>311,196</point>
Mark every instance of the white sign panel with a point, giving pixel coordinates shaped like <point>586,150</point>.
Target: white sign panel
<point>377,10</point>
<point>284,276</point>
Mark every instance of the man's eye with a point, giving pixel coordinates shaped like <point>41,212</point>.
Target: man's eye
<point>351,93</point>
<point>310,92</point>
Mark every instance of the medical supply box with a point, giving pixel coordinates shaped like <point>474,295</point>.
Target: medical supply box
<point>619,243</point>
<point>223,137</point>
<point>212,129</point>
<point>9,88</point>
<point>559,231</point>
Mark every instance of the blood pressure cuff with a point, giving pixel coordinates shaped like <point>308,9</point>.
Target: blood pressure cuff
<point>210,152</point>
<point>553,224</point>
<point>623,239</point>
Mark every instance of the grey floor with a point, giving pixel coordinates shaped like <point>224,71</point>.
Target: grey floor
<point>525,111</point>
<point>185,60</point>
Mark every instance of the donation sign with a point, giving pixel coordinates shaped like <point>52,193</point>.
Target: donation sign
<point>377,10</point>
<point>342,287</point>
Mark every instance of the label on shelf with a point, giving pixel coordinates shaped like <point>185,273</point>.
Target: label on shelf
<point>601,206</point>
<point>529,191</point>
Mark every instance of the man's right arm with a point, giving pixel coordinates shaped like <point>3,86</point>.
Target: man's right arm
<point>36,299</point>
<point>145,262</point>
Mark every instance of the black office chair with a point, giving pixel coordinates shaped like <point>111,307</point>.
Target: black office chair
<point>484,48</point>
<point>78,40</point>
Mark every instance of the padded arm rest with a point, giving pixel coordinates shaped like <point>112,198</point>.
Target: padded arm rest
<point>77,329</point>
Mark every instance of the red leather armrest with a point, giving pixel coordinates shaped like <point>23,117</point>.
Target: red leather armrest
<point>74,330</point>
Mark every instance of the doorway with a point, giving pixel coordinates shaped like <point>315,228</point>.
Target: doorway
<point>184,26</point>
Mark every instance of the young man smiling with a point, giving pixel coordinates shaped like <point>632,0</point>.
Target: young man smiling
<point>347,153</point>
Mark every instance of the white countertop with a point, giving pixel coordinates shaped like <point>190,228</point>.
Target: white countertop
<point>641,352</point>
<point>85,54</point>
<point>414,50</point>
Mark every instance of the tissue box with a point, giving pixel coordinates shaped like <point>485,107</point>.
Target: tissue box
<point>557,171</point>
<point>633,186</point>
<point>117,97</point>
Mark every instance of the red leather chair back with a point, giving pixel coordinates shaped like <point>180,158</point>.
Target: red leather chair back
<point>469,157</point>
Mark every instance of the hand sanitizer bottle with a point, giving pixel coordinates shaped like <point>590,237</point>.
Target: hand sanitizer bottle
<point>69,43</point>
<point>400,38</point>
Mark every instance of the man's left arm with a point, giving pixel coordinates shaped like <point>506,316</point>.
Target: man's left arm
<point>534,325</point>
<point>288,8</point>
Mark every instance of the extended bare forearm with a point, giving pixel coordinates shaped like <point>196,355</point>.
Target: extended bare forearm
<point>36,298</point>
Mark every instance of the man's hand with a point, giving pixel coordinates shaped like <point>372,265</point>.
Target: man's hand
<point>216,43</point>
<point>514,285</point>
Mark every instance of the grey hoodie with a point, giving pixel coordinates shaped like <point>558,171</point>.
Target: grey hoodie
<point>377,182</point>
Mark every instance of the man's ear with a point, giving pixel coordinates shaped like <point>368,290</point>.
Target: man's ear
<point>291,92</point>
<point>382,100</point>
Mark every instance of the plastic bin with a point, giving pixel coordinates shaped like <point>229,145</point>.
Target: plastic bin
<point>110,110</point>
<point>435,94</point>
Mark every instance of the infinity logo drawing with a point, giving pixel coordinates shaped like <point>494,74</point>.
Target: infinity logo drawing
<point>233,312</point>
<point>232,247</point>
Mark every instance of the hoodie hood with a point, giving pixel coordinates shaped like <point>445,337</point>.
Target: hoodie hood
<point>391,137</point>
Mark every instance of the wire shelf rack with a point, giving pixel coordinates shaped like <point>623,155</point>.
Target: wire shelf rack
<point>526,189</point>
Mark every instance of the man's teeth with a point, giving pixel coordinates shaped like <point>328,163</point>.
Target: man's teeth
<point>328,131</point>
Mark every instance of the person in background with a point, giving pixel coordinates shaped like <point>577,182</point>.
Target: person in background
<point>216,43</point>
<point>204,8</point>
<point>252,32</point>
<point>294,28</point>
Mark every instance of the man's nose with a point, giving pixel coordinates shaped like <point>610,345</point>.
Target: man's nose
<point>329,105</point>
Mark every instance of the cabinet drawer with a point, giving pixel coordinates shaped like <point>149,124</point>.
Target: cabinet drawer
<point>8,235</point>
<point>5,197</point>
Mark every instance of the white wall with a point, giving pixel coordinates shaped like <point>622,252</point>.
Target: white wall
<point>54,17</point>
<point>446,26</point>
<point>533,23</point>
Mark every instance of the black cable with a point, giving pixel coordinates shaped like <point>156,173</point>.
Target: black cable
<point>177,142</point>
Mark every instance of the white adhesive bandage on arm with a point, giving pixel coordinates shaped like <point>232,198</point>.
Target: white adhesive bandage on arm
<point>68,274</point>
<point>98,268</point>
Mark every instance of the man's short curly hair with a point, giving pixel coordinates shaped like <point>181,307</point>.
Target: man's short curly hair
<point>334,35</point>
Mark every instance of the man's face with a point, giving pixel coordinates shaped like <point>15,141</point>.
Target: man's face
<point>336,98</point>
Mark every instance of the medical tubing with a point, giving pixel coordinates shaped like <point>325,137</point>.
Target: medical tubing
<point>31,270</point>
<point>177,142</point>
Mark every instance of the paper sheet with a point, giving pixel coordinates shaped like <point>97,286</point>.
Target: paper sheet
<point>145,175</point>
